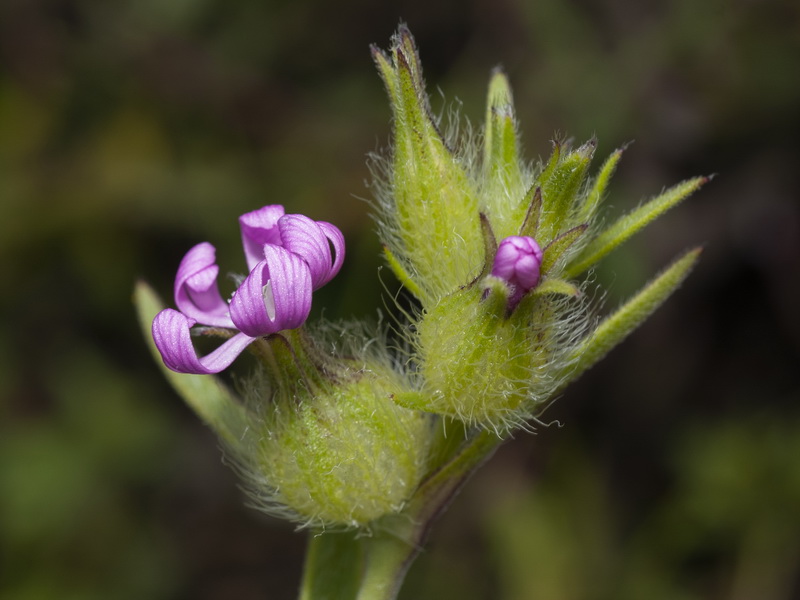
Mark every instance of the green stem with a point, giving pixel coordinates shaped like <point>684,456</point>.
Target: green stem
<point>388,558</point>
<point>333,566</point>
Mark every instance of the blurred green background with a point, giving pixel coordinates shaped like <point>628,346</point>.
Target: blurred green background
<point>131,130</point>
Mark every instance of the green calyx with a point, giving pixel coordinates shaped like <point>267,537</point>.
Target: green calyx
<point>483,366</point>
<point>327,446</point>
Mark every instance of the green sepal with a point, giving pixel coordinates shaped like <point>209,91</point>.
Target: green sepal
<point>630,224</point>
<point>552,162</point>
<point>386,70</point>
<point>556,249</point>
<point>434,216</point>
<point>556,286</point>
<point>489,246</point>
<point>616,327</point>
<point>501,164</point>
<point>206,395</point>
<point>533,207</point>
<point>410,400</point>
<point>560,189</point>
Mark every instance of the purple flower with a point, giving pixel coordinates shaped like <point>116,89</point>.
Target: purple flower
<point>289,256</point>
<point>517,263</point>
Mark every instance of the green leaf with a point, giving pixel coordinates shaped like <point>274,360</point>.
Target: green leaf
<point>616,327</point>
<point>205,394</point>
<point>630,224</point>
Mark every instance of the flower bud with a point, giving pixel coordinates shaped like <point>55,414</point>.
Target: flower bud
<point>517,263</point>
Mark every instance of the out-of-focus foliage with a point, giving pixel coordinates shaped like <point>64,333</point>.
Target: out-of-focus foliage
<point>131,130</point>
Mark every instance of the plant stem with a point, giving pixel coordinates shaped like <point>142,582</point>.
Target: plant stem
<point>343,566</point>
<point>333,566</point>
<point>388,558</point>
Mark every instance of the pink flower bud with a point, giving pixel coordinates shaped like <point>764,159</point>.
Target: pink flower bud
<point>517,263</point>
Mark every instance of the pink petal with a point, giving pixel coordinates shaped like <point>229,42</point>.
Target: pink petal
<point>336,238</point>
<point>304,237</point>
<point>260,227</point>
<point>275,296</point>
<point>174,342</point>
<point>196,291</point>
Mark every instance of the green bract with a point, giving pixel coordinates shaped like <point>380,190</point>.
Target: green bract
<point>345,455</point>
<point>325,445</point>
<point>444,204</point>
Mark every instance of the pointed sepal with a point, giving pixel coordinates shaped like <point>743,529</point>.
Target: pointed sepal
<point>558,287</point>
<point>503,178</point>
<point>433,207</point>
<point>556,249</point>
<point>533,214</point>
<point>560,189</point>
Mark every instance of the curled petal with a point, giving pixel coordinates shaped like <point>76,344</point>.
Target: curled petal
<point>275,296</point>
<point>336,238</point>
<point>304,237</point>
<point>260,227</point>
<point>196,291</point>
<point>174,342</point>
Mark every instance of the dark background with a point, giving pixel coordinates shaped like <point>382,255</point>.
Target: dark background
<point>131,130</point>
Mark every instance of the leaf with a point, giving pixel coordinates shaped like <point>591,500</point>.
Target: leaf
<point>617,326</point>
<point>630,224</point>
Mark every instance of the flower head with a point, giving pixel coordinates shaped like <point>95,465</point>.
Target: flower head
<point>517,263</point>
<point>288,256</point>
